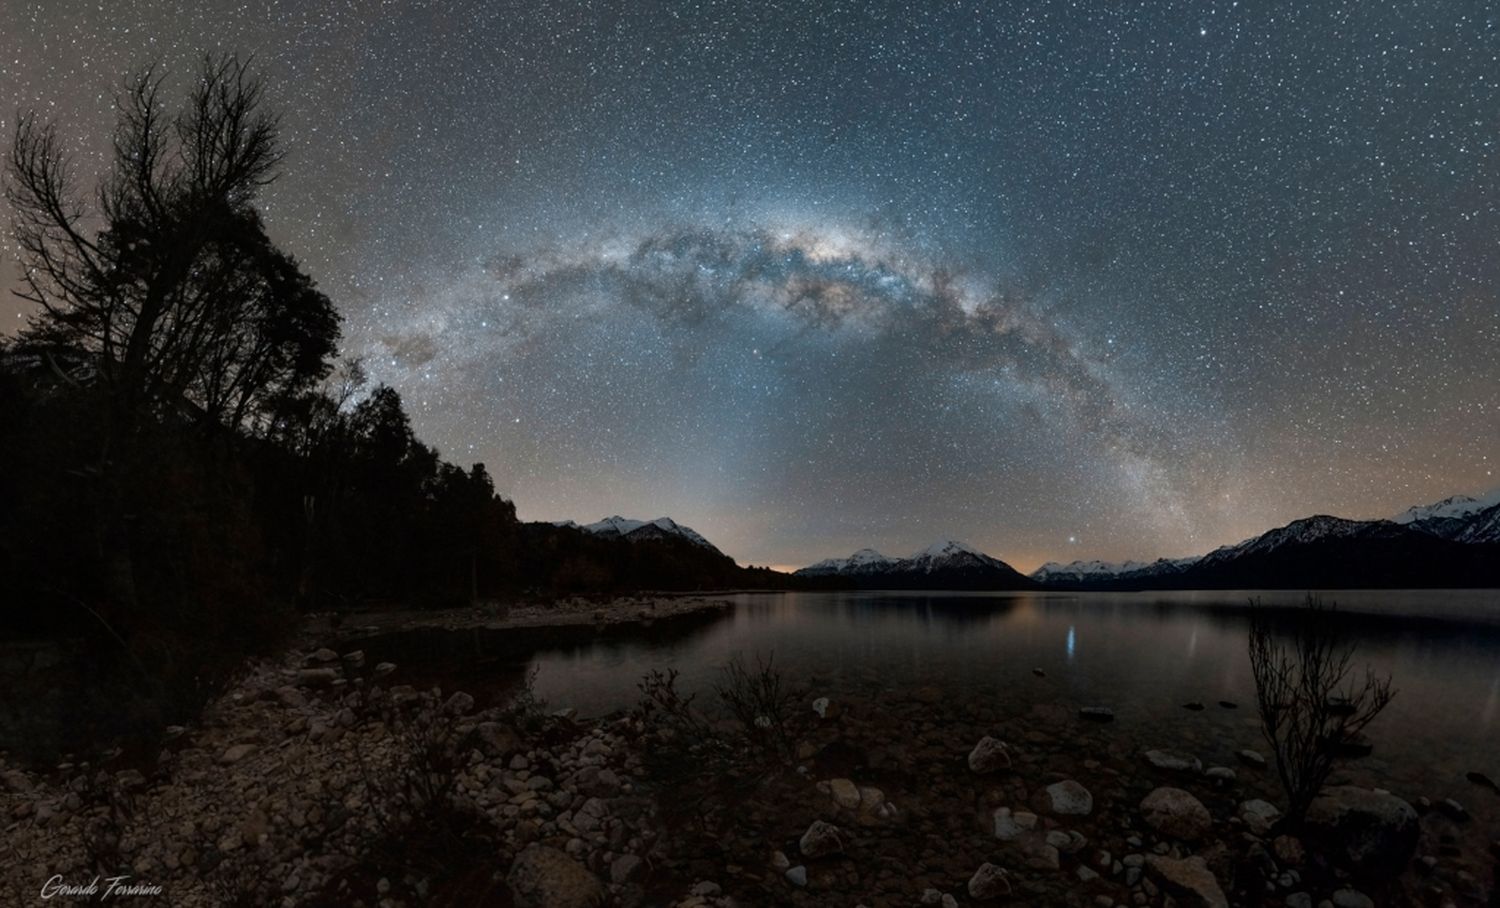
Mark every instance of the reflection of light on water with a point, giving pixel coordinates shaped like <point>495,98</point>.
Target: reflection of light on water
<point>1072,641</point>
<point>1489,706</point>
<point>1193,643</point>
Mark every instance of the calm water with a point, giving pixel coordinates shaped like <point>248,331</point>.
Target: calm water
<point>1142,654</point>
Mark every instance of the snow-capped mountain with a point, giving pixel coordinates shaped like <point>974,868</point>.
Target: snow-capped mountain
<point>1457,506</point>
<point>946,564</point>
<point>1460,518</point>
<point>1087,573</point>
<point>636,530</point>
<point>862,561</point>
<point>1481,527</point>
<point>1302,532</point>
<point>1454,542</point>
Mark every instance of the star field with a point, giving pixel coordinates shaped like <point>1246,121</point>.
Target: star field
<point>1063,280</point>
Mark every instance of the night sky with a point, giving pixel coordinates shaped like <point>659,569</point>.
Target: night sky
<point>1061,280</point>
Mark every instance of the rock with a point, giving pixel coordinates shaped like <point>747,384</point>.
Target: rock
<point>624,868</point>
<point>1177,814</point>
<point>1289,850</point>
<point>1352,898</point>
<point>706,889</point>
<point>1011,826</point>
<point>1372,833</point>
<point>323,655</point>
<point>354,659</point>
<point>1259,815</point>
<point>1453,809</point>
<point>290,697</point>
<point>821,839</point>
<point>1097,714</point>
<point>317,677</point>
<point>1189,880</point>
<point>989,882</point>
<point>1483,781</point>
<point>130,779</point>
<point>1038,854</point>
<point>989,755</point>
<point>1220,774</point>
<point>1068,798</point>
<point>459,704</point>
<point>1299,900</point>
<point>1039,673</point>
<point>1251,758</point>
<point>1173,762</point>
<point>495,739</point>
<point>235,754</point>
<point>797,876</point>
<point>845,793</point>
<point>820,706</point>
<point>544,877</point>
<point>18,782</point>
<point>1351,746</point>
<point>384,668</point>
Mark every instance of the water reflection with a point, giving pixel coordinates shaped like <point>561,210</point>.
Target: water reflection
<point>1148,653</point>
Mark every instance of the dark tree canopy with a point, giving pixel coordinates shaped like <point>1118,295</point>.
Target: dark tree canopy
<point>167,286</point>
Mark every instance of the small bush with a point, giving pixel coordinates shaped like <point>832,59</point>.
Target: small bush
<point>1312,704</point>
<point>761,706</point>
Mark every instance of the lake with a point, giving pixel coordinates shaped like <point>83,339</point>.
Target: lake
<point>1141,654</point>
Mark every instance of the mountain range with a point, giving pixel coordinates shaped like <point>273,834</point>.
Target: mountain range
<point>946,565</point>
<point>618,527</point>
<point>1452,543</point>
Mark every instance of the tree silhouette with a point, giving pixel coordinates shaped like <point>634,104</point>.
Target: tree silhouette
<point>178,298</point>
<point>165,296</point>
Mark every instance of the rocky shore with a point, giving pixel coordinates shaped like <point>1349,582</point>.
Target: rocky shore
<point>919,799</point>
<point>325,777</point>
<point>577,611</point>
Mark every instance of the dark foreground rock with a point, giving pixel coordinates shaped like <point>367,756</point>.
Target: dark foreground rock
<point>544,877</point>
<point>1189,880</point>
<point>1371,833</point>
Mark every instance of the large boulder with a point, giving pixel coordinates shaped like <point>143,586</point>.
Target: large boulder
<point>1068,798</point>
<point>1259,816</point>
<point>821,839</point>
<point>989,882</point>
<point>544,877</point>
<point>1177,814</point>
<point>989,755</point>
<point>1173,762</point>
<point>845,793</point>
<point>1011,826</point>
<point>1371,833</point>
<point>1189,881</point>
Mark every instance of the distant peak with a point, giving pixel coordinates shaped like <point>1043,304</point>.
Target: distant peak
<point>1452,506</point>
<point>947,547</point>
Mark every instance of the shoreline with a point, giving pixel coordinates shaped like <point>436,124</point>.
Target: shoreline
<point>279,787</point>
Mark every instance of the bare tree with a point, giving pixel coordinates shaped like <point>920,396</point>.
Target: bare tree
<point>165,289</point>
<point>1312,703</point>
<point>167,283</point>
